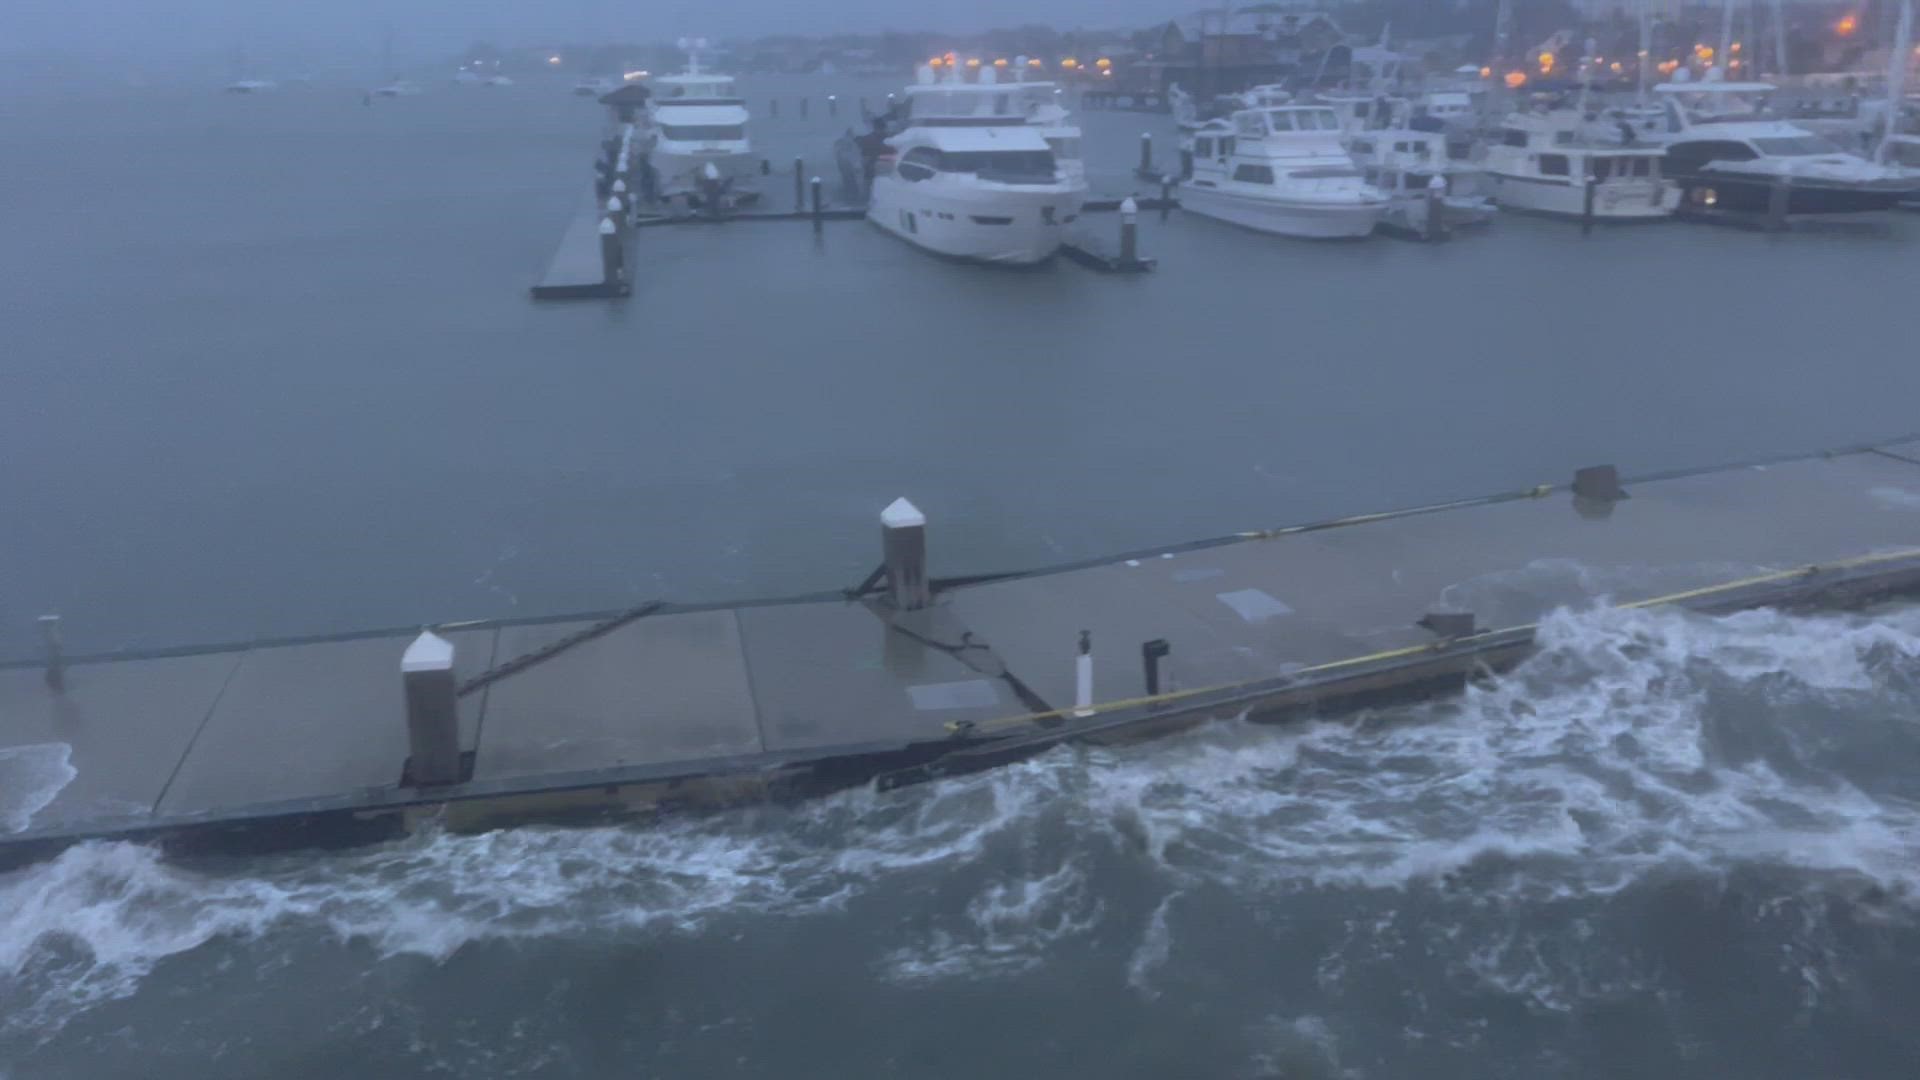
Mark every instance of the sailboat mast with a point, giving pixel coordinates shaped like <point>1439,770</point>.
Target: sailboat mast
<point>1646,49</point>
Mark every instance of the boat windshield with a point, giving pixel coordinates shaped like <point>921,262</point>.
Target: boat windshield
<point>1795,146</point>
<point>702,132</point>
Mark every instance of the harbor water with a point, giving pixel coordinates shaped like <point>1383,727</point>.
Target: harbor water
<point>271,369</point>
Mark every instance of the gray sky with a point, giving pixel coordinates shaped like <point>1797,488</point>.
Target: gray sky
<point>179,29</point>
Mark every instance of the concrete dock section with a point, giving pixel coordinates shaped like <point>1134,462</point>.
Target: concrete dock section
<point>580,268</point>
<point>666,706</point>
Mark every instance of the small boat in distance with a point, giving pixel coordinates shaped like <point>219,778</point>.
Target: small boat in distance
<point>1279,170</point>
<point>248,86</point>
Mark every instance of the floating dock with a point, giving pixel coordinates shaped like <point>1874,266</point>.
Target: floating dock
<point>908,678</point>
<point>579,269</point>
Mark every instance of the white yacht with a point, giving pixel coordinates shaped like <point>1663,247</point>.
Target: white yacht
<point>1278,170</point>
<point>1405,163</point>
<point>1045,111</point>
<point>971,177</point>
<point>1539,163</point>
<point>696,119</point>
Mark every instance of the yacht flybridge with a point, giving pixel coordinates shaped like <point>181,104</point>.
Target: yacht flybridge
<point>1278,170</point>
<point>971,174</point>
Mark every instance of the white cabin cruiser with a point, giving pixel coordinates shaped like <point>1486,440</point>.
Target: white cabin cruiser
<point>1279,170</point>
<point>696,119</point>
<point>1416,169</point>
<point>1538,163</point>
<point>970,177</point>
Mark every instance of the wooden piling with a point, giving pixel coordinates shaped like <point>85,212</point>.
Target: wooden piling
<point>433,712</point>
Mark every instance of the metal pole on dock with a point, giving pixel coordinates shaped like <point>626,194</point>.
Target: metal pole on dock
<point>903,547</point>
<point>1151,653</point>
<point>1586,210</point>
<point>56,672</point>
<point>433,711</point>
<point>1083,676</point>
<point>817,204</point>
<point>1146,153</point>
<point>1129,232</point>
<point>799,185</point>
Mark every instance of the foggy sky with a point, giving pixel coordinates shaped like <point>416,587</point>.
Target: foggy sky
<point>177,30</point>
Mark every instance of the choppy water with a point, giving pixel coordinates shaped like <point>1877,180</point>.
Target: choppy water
<point>1666,846</point>
<point>269,369</point>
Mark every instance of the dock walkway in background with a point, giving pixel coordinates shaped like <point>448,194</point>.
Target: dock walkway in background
<point>666,706</point>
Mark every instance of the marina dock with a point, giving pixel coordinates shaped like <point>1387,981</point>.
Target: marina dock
<point>909,677</point>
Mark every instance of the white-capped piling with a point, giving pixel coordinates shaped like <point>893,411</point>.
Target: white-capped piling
<point>819,204</point>
<point>433,711</point>
<point>56,658</point>
<point>1129,232</point>
<point>1436,207</point>
<point>612,254</point>
<point>833,105</point>
<point>1146,153</point>
<point>1083,676</point>
<point>903,547</point>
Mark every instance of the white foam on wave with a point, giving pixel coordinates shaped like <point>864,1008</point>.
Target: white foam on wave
<point>30,778</point>
<point>1592,762</point>
<point>1575,775</point>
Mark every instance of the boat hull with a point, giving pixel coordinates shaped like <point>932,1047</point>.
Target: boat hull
<point>1303,218</point>
<point>1635,201</point>
<point>1754,195</point>
<point>1009,227</point>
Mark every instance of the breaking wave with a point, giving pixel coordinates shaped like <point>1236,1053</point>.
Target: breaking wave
<point>1633,741</point>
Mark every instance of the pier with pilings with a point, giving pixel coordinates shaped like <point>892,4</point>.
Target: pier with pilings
<point>908,675</point>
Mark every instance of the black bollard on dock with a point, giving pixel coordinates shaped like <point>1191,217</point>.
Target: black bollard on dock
<point>818,205</point>
<point>433,712</point>
<point>799,185</point>
<point>56,671</point>
<point>903,547</point>
<point>1146,153</point>
<point>1151,655</point>
<point>1586,209</point>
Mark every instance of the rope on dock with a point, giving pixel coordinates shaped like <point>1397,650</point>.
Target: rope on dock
<point>962,727</point>
<point>547,652</point>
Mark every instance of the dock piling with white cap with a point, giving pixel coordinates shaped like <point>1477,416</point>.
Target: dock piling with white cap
<point>903,546</point>
<point>433,712</point>
<point>56,655</point>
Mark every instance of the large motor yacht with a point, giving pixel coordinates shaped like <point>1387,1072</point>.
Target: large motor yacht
<point>972,177</point>
<point>697,136</point>
<point>1278,170</point>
